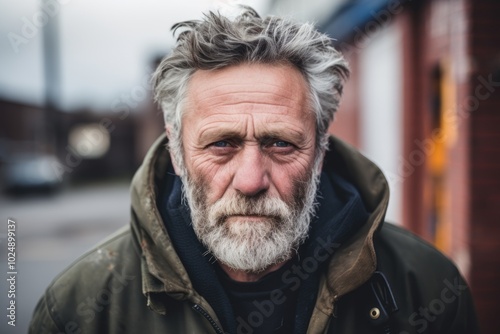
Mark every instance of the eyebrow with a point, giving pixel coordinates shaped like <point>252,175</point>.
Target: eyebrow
<point>210,136</point>
<point>292,136</point>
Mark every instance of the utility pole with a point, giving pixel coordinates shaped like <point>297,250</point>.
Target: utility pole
<point>51,63</point>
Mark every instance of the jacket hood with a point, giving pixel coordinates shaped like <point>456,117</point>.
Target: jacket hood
<point>163,272</point>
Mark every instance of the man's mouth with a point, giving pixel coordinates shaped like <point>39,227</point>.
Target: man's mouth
<point>250,218</point>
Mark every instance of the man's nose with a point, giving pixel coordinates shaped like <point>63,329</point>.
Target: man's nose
<point>252,174</point>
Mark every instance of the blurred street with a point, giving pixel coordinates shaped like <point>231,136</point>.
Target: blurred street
<point>52,231</point>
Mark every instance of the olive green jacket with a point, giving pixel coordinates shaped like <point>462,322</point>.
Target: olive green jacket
<point>134,282</point>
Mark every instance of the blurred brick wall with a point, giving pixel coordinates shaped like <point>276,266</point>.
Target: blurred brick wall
<point>464,35</point>
<point>457,42</point>
<point>485,161</point>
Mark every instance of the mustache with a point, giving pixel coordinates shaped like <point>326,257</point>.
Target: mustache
<point>240,205</point>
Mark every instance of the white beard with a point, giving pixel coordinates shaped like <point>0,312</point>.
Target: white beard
<point>254,244</point>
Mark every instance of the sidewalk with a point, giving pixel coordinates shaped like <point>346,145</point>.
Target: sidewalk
<point>51,232</point>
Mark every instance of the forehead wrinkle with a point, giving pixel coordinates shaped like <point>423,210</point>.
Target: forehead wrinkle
<point>235,98</point>
<point>290,85</point>
<point>236,111</point>
<point>281,89</point>
<point>251,107</point>
<point>235,84</point>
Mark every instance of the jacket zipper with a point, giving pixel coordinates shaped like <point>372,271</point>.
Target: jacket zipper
<point>207,316</point>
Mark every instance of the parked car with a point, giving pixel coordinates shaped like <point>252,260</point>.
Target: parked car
<point>31,172</point>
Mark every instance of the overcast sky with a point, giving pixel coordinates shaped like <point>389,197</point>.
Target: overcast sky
<point>106,46</point>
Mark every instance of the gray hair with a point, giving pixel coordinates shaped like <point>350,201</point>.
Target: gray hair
<point>217,42</point>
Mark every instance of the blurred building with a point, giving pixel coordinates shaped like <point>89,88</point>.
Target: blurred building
<point>423,103</point>
<point>82,146</point>
<point>75,145</point>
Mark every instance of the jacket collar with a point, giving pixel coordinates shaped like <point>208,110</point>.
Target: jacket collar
<point>355,261</point>
<point>163,272</point>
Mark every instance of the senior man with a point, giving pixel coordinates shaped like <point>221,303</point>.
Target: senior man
<point>255,220</point>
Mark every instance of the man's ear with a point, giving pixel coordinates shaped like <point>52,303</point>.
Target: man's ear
<point>177,170</point>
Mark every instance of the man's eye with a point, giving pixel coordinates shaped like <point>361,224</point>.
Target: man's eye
<point>281,143</point>
<point>221,143</point>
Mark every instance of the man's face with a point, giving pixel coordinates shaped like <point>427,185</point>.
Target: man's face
<point>249,152</point>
